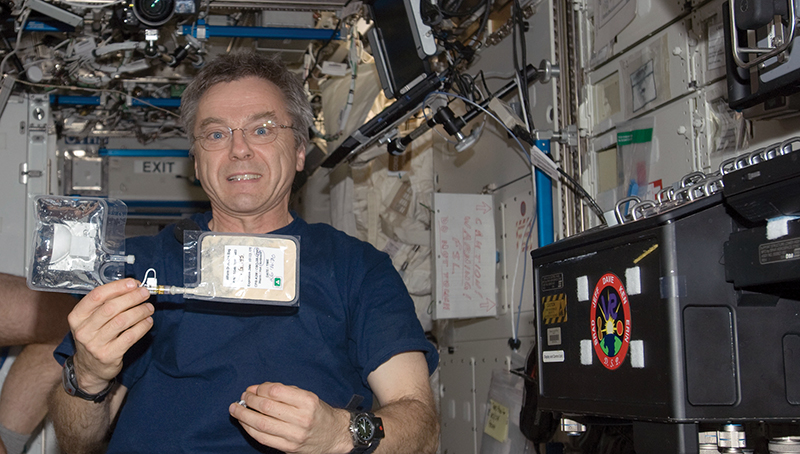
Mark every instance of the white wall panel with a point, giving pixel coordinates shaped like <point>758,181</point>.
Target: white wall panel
<point>648,76</point>
<point>466,373</point>
<point>651,15</point>
<point>13,195</point>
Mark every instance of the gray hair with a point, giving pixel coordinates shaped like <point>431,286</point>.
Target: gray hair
<point>239,65</point>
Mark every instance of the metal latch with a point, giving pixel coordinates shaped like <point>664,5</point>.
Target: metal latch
<point>24,173</point>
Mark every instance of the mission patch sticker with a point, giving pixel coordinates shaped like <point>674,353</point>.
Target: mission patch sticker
<point>610,321</point>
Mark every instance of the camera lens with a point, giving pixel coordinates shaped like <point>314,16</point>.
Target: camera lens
<point>153,12</point>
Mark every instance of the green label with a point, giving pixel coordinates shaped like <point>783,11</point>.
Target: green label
<point>635,136</point>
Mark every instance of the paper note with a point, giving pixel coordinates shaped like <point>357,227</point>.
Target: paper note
<point>465,256</point>
<point>497,421</point>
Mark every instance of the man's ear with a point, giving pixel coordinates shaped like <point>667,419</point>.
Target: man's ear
<point>301,159</point>
<point>194,162</point>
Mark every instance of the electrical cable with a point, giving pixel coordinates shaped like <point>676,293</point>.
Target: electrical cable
<point>490,114</point>
<point>344,114</point>
<point>484,21</point>
<point>483,79</point>
<point>24,19</point>
<point>574,185</point>
<point>319,51</point>
<point>585,195</point>
<point>515,323</point>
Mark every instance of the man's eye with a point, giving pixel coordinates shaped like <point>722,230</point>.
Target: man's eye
<point>215,135</point>
<point>262,131</point>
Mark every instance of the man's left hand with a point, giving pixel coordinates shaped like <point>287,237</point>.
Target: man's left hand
<point>293,420</point>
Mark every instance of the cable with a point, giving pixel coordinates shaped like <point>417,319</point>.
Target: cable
<point>585,195</point>
<point>484,21</point>
<point>574,184</point>
<point>515,324</point>
<point>524,271</point>
<point>319,51</point>
<point>24,17</point>
<point>490,114</point>
<point>519,27</point>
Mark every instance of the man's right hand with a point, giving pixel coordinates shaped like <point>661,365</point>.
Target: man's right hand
<point>105,324</point>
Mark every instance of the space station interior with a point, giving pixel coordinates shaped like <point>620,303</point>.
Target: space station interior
<point>594,204</point>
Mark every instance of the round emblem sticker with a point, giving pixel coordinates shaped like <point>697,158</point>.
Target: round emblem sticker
<point>611,321</point>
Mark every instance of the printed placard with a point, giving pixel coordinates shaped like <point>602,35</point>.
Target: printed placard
<point>553,356</point>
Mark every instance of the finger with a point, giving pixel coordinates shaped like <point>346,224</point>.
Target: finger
<point>118,326</point>
<point>269,407</point>
<point>112,307</point>
<point>100,295</point>
<point>132,334</point>
<point>264,429</point>
<point>289,395</point>
<point>114,316</point>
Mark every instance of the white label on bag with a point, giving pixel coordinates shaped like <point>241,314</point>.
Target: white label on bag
<point>253,267</point>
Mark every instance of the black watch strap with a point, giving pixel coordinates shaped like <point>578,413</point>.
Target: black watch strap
<point>365,428</point>
<point>361,424</point>
<point>70,383</point>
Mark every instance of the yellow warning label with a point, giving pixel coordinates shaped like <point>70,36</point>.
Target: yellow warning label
<point>554,309</point>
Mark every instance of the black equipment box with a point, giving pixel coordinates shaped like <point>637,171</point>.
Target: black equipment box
<point>638,322</point>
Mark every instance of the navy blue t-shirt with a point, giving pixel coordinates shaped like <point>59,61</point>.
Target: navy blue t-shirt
<point>354,313</point>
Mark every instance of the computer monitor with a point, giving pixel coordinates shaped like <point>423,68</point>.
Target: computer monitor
<point>400,43</point>
<point>399,49</point>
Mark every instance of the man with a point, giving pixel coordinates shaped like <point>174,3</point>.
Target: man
<point>186,376</point>
<point>37,320</point>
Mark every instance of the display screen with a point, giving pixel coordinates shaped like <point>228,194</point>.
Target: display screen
<point>399,63</point>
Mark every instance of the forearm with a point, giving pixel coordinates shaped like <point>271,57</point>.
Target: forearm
<point>23,401</point>
<point>28,316</point>
<point>411,426</point>
<point>81,426</point>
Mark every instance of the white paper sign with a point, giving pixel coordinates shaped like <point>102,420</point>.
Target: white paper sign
<point>465,256</point>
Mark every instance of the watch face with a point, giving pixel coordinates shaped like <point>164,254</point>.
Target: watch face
<point>364,428</point>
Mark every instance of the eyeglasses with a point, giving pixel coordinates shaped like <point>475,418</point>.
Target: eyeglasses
<point>219,137</point>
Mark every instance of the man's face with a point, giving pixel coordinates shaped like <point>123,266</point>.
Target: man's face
<point>244,179</point>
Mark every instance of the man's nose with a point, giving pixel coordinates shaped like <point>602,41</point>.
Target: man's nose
<point>239,147</point>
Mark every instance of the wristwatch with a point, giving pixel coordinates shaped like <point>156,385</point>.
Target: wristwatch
<point>70,384</point>
<point>367,431</point>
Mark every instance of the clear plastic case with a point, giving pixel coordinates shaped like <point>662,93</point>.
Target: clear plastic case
<point>79,243</point>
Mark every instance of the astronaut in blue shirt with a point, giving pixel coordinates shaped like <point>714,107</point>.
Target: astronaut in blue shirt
<point>164,374</point>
